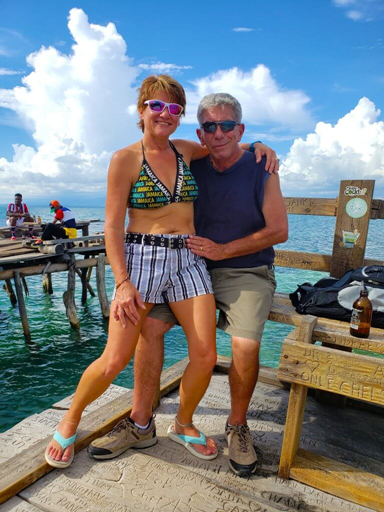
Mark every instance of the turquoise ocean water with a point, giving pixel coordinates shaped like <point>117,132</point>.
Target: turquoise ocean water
<point>36,375</point>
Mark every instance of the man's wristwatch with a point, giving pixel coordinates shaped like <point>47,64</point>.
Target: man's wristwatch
<point>252,146</point>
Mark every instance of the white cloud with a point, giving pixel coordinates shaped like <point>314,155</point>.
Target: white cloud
<point>4,72</point>
<point>80,107</point>
<point>161,67</point>
<point>362,10</point>
<point>76,107</point>
<point>262,100</point>
<point>353,148</point>
<point>243,29</point>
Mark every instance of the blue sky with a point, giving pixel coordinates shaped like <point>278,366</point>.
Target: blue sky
<point>309,74</point>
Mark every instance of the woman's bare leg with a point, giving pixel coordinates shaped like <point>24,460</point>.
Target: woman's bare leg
<point>98,376</point>
<point>197,316</point>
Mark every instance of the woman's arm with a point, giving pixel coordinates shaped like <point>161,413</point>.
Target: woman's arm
<point>121,170</point>
<point>190,149</point>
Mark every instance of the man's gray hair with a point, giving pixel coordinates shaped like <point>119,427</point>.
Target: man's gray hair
<point>220,99</point>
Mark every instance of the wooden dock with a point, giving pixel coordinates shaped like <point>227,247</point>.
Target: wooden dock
<point>20,258</point>
<point>325,450</point>
<point>167,478</point>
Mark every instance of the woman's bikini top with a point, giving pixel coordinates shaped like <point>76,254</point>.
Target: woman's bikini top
<point>150,192</point>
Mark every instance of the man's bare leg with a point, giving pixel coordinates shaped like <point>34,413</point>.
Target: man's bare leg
<point>149,360</point>
<point>243,376</point>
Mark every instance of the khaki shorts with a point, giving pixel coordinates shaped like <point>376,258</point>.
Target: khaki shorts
<point>243,297</point>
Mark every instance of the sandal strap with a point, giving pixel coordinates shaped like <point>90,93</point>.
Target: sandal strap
<point>64,442</point>
<point>194,440</point>
<point>186,425</point>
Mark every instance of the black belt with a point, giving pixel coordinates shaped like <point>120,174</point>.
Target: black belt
<point>174,242</point>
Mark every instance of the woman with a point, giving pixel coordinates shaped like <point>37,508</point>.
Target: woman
<point>152,178</point>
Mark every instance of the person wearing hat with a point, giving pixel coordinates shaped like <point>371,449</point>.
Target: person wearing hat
<point>67,229</point>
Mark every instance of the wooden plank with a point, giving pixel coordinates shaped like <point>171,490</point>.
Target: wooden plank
<point>78,239</point>
<point>304,260</point>
<point>344,373</point>
<point>377,210</point>
<point>86,250</point>
<point>28,466</point>
<point>100,282</point>
<point>69,296</point>
<point>55,267</point>
<point>9,291</point>
<point>311,206</point>
<point>335,332</point>
<point>344,481</point>
<point>351,231</point>
<point>22,308</point>
<point>296,406</point>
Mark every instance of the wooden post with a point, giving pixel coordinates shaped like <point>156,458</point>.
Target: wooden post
<point>22,308</point>
<point>9,290</point>
<point>47,283</point>
<point>296,406</point>
<point>352,221</point>
<point>350,240</point>
<point>100,280</point>
<point>25,286</point>
<point>89,287</point>
<point>69,295</point>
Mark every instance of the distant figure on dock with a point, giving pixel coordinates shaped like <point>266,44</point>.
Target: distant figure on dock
<point>67,228</point>
<point>239,215</point>
<point>17,214</point>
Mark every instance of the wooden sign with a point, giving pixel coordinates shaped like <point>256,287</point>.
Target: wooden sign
<point>353,213</point>
<point>350,375</point>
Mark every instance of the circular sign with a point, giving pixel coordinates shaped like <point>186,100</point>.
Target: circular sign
<point>356,208</point>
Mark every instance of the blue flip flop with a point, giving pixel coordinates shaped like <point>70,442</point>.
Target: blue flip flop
<point>188,441</point>
<point>64,443</point>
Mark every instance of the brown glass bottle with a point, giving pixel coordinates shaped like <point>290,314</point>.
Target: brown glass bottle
<point>361,316</point>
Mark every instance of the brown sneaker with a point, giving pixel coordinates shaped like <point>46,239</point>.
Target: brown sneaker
<point>123,436</point>
<point>242,456</point>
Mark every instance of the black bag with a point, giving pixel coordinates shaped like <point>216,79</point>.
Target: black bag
<point>333,298</point>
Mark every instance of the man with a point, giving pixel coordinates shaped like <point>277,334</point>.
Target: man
<point>239,215</point>
<point>67,229</point>
<point>17,213</point>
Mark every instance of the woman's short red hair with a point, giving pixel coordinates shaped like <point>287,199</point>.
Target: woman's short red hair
<point>160,83</point>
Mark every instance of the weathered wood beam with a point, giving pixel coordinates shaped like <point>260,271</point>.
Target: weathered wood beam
<point>22,308</point>
<point>339,479</point>
<point>55,267</point>
<point>87,284</point>
<point>326,207</point>
<point>47,283</point>
<point>9,290</point>
<point>296,404</point>
<point>69,296</point>
<point>101,291</point>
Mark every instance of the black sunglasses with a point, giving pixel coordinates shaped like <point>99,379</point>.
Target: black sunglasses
<point>226,126</point>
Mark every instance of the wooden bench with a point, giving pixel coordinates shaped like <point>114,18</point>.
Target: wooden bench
<point>306,365</point>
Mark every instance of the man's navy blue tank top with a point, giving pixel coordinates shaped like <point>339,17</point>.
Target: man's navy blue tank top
<point>229,206</point>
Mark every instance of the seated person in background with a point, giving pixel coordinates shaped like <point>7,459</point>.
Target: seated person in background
<point>17,213</point>
<point>67,229</point>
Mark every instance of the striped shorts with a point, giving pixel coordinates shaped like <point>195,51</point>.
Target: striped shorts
<point>164,275</point>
